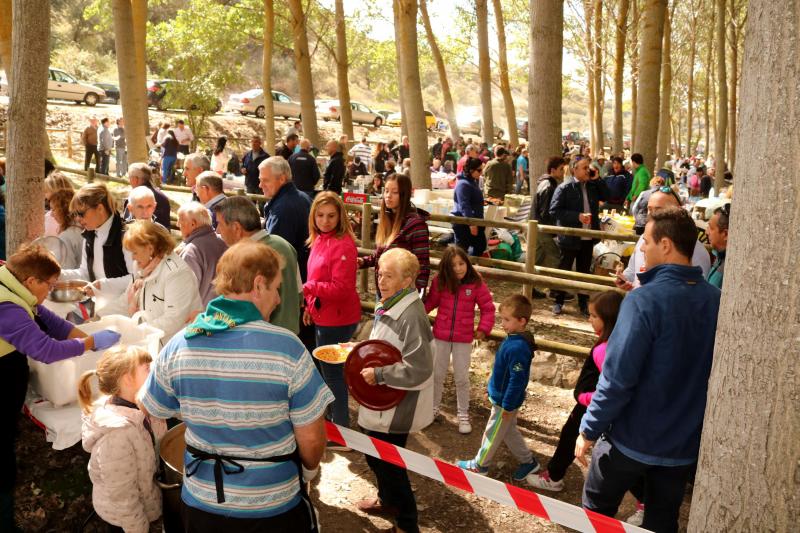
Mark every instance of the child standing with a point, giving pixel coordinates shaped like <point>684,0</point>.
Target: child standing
<point>603,310</point>
<point>456,290</point>
<point>122,441</point>
<point>512,367</point>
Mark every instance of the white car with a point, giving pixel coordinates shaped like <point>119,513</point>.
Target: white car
<point>62,86</point>
<point>329,110</point>
<point>252,101</point>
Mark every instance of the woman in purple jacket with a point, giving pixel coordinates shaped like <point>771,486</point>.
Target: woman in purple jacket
<point>28,329</point>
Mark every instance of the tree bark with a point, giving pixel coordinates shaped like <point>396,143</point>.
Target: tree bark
<point>505,85</point>
<point>588,8</point>
<point>26,121</point>
<point>647,108</point>
<point>132,96</point>
<point>399,53</point>
<point>484,70</point>
<point>734,84</point>
<point>690,83</point>
<point>665,113</point>
<point>748,476</point>
<point>635,70</point>
<point>709,77</point>
<point>266,76</point>
<point>619,72</point>
<point>305,80</point>
<point>5,36</point>
<point>140,43</point>
<point>412,90</point>
<point>343,85</point>
<point>449,107</point>
<point>597,73</point>
<point>544,83</point>
<point>722,98</point>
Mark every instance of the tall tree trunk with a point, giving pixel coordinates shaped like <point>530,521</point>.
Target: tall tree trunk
<point>619,72</point>
<point>647,108</point>
<point>690,83</point>
<point>750,432</point>
<point>449,107</point>
<point>544,83</point>
<point>132,95</point>
<point>597,73</point>
<point>734,83</point>
<point>666,95</point>
<point>412,89</point>
<point>399,53</point>
<point>709,75</point>
<point>26,121</point>
<point>505,85</point>
<point>343,85</point>
<point>305,80</point>
<point>588,8</point>
<point>485,71</point>
<point>266,75</point>
<point>140,43</point>
<point>5,36</point>
<point>635,70</point>
<point>722,98</point>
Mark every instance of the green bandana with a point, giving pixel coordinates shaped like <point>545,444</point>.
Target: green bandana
<point>382,307</point>
<point>222,314</point>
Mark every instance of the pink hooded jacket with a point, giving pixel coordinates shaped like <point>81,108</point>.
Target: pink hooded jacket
<point>330,292</point>
<point>455,319</point>
<point>123,465</point>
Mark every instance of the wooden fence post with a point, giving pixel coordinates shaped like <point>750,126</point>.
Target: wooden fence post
<point>366,240</point>
<point>69,141</point>
<point>90,175</point>
<point>530,255</point>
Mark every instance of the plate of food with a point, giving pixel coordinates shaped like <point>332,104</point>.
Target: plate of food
<point>335,354</point>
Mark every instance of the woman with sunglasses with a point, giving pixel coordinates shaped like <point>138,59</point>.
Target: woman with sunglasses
<point>28,329</point>
<point>104,262</point>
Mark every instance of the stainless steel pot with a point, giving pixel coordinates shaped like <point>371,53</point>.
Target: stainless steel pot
<point>69,291</point>
<point>170,480</point>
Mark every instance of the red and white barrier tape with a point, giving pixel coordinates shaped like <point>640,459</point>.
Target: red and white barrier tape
<point>506,494</point>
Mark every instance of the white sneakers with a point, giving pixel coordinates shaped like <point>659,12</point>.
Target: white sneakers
<point>464,427</point>
<point>543,481</point>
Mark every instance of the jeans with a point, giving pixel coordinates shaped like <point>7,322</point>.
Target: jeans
<point>394,487</point>
<point>122,162</point>
<point>333,374</point>
<point>105,158</point>
<point>612,474</point>
<point>467,240</point>
<point>583,262</point>
<point>565,450</point>
<point>167,165</point>
<point>91,151</point>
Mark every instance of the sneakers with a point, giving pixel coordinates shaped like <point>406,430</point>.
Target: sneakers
<point>464,427</point>
<point>557,309</point>
<point>637,518</point>
<point>473,466</point>
<point>336,447</point>
<point>524,469</point>
<point>543,481</point>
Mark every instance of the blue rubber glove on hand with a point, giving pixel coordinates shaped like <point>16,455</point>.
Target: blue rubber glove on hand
<point>105,338</point>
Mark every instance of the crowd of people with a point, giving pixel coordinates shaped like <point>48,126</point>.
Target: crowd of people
<point>252,289</point>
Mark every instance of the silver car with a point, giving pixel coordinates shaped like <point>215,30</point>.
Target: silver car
<point>62,86</point>
<point>252,101</point>
<point>329,110</point>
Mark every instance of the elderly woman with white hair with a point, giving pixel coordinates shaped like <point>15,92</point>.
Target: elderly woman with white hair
<point>202,247</point>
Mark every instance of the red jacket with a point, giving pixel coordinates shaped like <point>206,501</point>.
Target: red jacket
<point>455,320</point>
<point>330,292</point>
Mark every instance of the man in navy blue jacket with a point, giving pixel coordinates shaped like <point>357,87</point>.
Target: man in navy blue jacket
<point>647,411</point>
<point>576,205</point>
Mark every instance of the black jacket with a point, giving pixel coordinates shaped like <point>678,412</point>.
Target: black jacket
<point>250,163</point>
<point>567,205</point>
<point>334,174</point>
<point>162,211</point>
<point>588,378</point>
<point>305,172</point>
<point>540,210</point>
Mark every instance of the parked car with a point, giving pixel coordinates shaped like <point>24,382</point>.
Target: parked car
<point>62,86</point>
<point>522,128</point>
<point>329,110</point>
<point>431,122</point>
<point>571,136</point>
<point>252,102</point>
<point>112,93</point>
<point>384,113</point>
<point>157,91</point>
<point>473,126</point>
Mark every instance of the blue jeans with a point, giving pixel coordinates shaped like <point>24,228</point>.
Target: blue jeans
<point>167,165</point>
<point>333,374</point>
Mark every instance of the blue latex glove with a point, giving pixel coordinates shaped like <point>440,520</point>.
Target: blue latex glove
<point>105,338</point>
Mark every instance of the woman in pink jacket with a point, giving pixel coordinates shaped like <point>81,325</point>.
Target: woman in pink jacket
<point>456,290</point>
<point>332,302</point>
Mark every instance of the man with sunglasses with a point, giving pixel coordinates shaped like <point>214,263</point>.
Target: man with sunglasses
<point>660,199</point>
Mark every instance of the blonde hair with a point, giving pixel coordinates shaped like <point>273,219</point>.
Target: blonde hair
<point>146,232</point>
<point>239,266</point>
<point>57,181</point>
<point>92,195</point>
<point>408,262</point>
<point>116,363</point>
<point>328,198</point>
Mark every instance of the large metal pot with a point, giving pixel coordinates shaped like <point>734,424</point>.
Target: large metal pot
<point>70,291</point>
<point>170,454</point>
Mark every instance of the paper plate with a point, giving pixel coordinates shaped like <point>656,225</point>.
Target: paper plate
<point>333,354</point>
<point>369,354</point>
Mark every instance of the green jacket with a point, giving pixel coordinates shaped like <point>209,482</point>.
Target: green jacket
<point>498,179</point>
<point>287,314</point>
<point>11,290</point>
<point>641,182</point>
<point>717,270</point>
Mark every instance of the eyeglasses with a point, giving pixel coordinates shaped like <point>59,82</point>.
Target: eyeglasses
<point>666,189</point>
<point>50,284</point>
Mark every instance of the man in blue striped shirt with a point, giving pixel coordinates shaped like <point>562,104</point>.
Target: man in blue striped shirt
<point>252,402</point>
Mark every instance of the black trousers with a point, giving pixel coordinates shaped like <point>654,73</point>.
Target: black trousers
<point>297,520</point>
<point>565,450</point>
<point>13,386</point>
<point>91,151</point>
<point>582,257</point>
<point>472,244</point>
<point>612,474</point>
<point>394,487</point>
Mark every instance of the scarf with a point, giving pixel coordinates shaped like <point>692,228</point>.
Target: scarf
<point>138,282</point>
<point>382,307</point>
<point>220,315</point>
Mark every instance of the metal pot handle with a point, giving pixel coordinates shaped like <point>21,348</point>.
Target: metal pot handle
<point>165,486</point>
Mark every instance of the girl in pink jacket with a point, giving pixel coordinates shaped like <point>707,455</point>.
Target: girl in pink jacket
<point>122,441</point>
<point>456,290</point>
<point>331,299</point>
